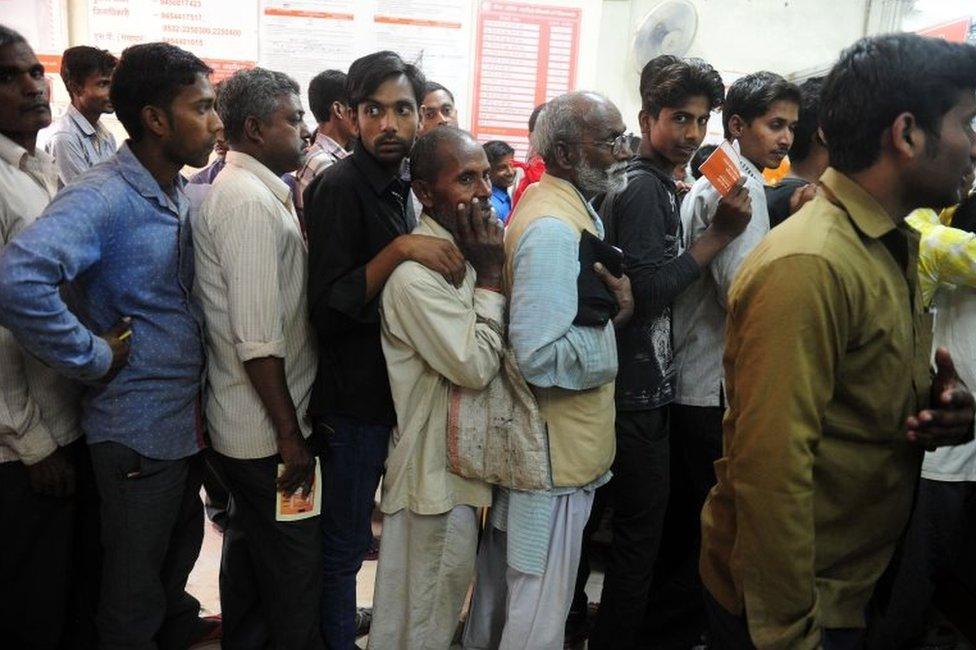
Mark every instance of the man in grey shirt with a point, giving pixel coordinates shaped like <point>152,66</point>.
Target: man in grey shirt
<point>78,141</point>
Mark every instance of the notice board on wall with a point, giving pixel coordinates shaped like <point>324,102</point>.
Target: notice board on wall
<point>224,33</point>
<point>304,37</point>
<point>525,54</point>
<point>498,57</point>
<point>44,23</point>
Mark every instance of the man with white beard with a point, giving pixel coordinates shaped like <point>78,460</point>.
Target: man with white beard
<point>562,313</point>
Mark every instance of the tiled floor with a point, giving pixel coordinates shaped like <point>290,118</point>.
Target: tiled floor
<point>203,581</point>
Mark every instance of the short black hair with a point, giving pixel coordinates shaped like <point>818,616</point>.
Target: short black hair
<point>700,156</point>
<point>425,158</point>
<point>326,88</point>
<point>80,62</point>
<point>668,81</point>
<point>150,74</point>
<point>534,117</point>
<point>254,92</point>
<point>10,36</point>
<point>809,121</point>
<point>367,73</point>
<point>880,77</point>
<point>496,150</point>
<point>433,86</point>
<point>752,96</point>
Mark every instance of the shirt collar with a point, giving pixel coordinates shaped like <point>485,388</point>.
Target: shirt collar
<point>16,156</point>
<point>379,178</point>
<point>500,192</point>
<point>435,229</point>
<point>751,170</point>
<point>80,121</point>
<point>866,213</point>
<point>12,152</point>
<point>250,164</point>
<point>139,177</point>
<point>329,146</point>
<point>549,179</point>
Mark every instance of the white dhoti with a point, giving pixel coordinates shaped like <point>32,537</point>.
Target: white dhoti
<point>425,568</point>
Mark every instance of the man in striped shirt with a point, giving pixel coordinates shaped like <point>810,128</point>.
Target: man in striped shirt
<point>251,268</point>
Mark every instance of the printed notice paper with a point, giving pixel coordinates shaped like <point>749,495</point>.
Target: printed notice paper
<point>300,505</point>
<point>722,168</point>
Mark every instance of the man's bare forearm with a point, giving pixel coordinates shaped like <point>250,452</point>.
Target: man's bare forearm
<point>267,375</point>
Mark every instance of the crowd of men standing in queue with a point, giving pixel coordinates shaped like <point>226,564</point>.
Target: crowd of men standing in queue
<point>749,392</point>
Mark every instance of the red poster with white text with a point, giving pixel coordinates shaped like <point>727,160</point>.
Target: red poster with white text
<point>524,55</point>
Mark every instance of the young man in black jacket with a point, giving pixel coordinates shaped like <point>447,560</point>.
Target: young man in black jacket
<point>359,221</point>
<point>678,97</point>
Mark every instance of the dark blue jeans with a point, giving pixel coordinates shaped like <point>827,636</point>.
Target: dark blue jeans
<point>354,459</point>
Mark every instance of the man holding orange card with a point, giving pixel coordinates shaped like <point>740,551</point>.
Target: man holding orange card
<point>678,97</point>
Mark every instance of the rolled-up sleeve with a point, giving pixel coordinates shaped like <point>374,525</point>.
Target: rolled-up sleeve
<point>246,244</point>
<point>549,348</point>
<point>57,248</point>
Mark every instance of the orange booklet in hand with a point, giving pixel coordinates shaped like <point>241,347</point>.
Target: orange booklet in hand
<point>722,168</point>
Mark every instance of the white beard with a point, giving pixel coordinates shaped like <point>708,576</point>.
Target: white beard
<point>600,181</point>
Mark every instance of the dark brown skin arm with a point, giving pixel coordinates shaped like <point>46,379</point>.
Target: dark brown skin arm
<point>439,255</point>
<point>950,420</point>
<point>267,375</point>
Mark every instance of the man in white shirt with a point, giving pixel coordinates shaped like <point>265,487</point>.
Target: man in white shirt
<point>436,335</point>
<point>79,140</point>
<point>250,278</point>
<point>39,431</point>
<point>759,114</point>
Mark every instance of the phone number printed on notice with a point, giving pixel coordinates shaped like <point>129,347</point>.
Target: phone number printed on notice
<point>201,29</point>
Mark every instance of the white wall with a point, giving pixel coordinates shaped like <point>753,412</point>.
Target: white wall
<point>740,36</point>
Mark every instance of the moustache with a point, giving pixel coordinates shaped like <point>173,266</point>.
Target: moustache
<point>33,106</point>
<point>394,141</point>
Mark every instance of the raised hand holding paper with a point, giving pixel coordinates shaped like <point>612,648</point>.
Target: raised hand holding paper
<point>722,168</point>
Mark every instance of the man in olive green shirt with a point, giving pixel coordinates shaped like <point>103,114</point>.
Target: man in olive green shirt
<point>826,361</point>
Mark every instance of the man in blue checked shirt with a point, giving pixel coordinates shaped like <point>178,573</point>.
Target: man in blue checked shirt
<point>120,236</point>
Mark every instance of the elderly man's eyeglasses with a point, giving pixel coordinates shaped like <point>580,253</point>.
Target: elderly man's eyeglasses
<point>619,146</point>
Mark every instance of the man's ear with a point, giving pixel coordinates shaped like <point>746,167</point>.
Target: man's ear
<point>156,121</point>
<point>907,138</point>
<point>566,155</point>
<point>336,110</point>
<point>646,122</point>
<point>736,126</point>
<point>253,129</point>
<point>424,192</point>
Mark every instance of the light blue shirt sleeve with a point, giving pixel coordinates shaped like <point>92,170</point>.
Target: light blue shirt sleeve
<point>550,350</point>
<point>69,156</point>
<point>56,248</point>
